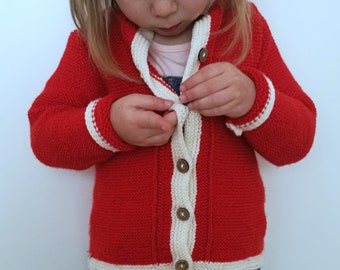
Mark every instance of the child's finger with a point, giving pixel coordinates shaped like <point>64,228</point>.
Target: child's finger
<point>152,121</point>
<point>152,103</point>
<point>171,118</point>
<point>202,76</point>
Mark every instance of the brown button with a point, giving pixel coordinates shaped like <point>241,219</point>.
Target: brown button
<point>182,165</point>
<point>183,214</point>
<point>182,265</point>
<point>203,55</point>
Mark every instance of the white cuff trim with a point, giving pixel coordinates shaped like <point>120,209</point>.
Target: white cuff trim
<point>93,129</point>
<point>261,118</point>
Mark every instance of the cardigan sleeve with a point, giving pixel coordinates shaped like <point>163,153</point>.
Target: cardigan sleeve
<point>281,125</point>
<point>69,121</point>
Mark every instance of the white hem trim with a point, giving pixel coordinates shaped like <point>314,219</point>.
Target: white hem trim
<point>261,118</point>
<point>93,129</point>
<point>252,263</point>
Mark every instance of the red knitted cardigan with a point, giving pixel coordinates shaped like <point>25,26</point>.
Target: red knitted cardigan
<point>198,201</point>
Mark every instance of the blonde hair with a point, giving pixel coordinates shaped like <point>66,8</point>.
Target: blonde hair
<point>93,19</point>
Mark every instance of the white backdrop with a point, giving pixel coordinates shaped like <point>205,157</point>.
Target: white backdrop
<point>44,211</point>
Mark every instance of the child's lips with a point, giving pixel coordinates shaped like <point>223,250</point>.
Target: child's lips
<point>170,29</point>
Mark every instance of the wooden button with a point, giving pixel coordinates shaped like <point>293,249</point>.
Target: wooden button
<point>203,55</point>
<point>182,165</point>
<point>182,265</point>
<point>183,214</point>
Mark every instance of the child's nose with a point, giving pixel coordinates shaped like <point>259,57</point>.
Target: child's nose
<point>163,8</point>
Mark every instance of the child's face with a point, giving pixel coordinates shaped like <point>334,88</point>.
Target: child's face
<point>171,20</point>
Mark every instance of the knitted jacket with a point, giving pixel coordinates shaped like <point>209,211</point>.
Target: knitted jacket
<point>196,202</point>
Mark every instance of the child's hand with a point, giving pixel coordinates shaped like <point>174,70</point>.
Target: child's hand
<point>143,120</point>
<point>219,89</point>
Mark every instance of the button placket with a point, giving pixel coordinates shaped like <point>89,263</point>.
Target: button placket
<point>183,185</point>
<point>183,212</point>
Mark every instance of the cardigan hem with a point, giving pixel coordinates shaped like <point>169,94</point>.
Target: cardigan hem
<point>251,263</point>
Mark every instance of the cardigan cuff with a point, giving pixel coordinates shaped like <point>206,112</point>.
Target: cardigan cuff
<point>97,118</point>
<point>262,108</point>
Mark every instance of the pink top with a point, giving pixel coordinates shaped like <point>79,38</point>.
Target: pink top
<point>169,60</point>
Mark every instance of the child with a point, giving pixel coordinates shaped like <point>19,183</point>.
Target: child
<point>170,100</point>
